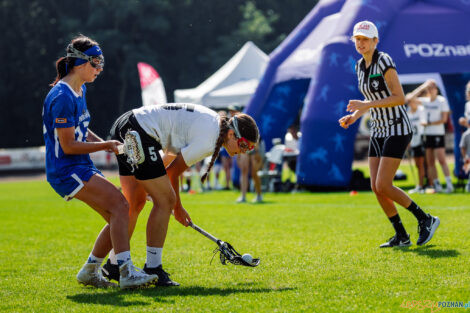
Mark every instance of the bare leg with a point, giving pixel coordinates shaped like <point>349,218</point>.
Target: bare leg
<point>136,197</point>
<point>441,157</point>
<point>431,163</point>
<point>164,200</point>
<point>384,184</point>
<point>244,165</point>
<point>419,161</point>
<point>386,203</point>
<point>106,199</point>
<point>256,163</point>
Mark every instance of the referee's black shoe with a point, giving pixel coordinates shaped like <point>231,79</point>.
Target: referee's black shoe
<point>164,279</point>
<point>397,241</point>
<point>111,271</point>
<point>427,228</point>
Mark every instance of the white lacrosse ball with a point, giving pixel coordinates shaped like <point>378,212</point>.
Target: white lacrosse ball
<point>247,258</point>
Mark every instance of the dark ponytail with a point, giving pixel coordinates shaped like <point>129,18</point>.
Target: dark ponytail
<point>65,64</point>
<point>224,128</point>
<point>246,126</point>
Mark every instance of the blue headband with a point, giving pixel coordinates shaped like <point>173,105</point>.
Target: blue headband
<point>93,51</point>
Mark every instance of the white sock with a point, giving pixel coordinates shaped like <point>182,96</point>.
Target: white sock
<point>123,257</point>
<point>112,257</point>
<point>154,256</point>
<point>448,181</point>
<point>436,182</point>
<point>94,259</point>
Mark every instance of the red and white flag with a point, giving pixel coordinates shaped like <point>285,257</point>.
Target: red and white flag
<point>153,91</point>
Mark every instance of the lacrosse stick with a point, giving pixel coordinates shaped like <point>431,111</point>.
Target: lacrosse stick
<point>227,252</point>
<point>132,148</point>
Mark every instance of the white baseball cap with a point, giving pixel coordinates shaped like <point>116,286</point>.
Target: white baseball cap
<point>365,28</point>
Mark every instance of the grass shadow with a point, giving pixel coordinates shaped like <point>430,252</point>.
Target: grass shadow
<point>117,297</point>
<point>432,252</point>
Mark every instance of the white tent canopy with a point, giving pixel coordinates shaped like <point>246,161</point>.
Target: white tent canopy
<point>233,83</point>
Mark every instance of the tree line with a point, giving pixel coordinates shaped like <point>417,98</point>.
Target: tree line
<point>185,40</point>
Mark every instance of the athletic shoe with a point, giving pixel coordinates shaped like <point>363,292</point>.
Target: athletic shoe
<point>449,189</point>
<point>467,188</point>
<point>132,277</point>
<point>241,199</point>
<point>258,199</point>
<point>417,189</point>
<point>90,275</point>
<point>438,187</point>
<point>110,271</point>
<point>426,229</point>
<point>396,241</point>
<point>164,279</point>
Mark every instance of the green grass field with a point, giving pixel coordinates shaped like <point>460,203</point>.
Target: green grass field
<point>319,253</point>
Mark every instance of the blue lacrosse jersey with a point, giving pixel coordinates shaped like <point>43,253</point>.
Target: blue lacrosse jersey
<point>64,108</point>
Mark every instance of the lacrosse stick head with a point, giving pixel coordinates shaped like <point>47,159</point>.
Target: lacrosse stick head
<point>133,149</point>
<point>229,254</point>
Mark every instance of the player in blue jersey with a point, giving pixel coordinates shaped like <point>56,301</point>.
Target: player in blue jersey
<point>71,172</point>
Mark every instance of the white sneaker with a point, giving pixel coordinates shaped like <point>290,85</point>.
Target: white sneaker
<point>438,187</point>
<point>241,199</point>
<point>258,199</point>
<point>132,277</point>
<point>449,188</point>
<point>417,189</point>
<point>90,275</point>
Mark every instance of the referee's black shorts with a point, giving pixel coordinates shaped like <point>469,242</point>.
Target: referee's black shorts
<point>391,146</point>
<point>152,167</point>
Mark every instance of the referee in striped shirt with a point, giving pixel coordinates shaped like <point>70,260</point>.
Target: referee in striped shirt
<point>391,133</point>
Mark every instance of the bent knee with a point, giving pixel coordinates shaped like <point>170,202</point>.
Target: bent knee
<point>383,187</point>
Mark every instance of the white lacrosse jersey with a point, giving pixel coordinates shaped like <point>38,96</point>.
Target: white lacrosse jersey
<point>432,113</point>
<point>415,120</point>
<point>191,129</point>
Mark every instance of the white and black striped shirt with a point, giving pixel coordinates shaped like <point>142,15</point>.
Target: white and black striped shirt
<point>391,121</point>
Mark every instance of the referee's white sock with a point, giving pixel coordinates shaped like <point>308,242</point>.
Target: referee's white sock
<point>154,256</point>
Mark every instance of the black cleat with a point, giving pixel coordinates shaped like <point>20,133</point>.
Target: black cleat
<point>397,241</point>
<point>164,279</point>
<point>111,271</point>
<point>426,229</point>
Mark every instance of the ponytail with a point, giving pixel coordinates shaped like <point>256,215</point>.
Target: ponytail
<point>63,66</point>
<point>220,141</point>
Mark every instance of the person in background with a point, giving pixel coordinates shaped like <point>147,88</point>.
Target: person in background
<point>390,133</point>
<point>435,116</point>
<point>415,112</point>
<point>465,120</point>
<point>465,151</point>
<point>251,163</point>
<point>70,171</point>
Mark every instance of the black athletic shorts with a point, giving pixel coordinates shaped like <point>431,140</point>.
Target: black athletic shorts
<point>417,151</point>
<point>433,141</point>
<point>152,167</point>
<point>392,146</point>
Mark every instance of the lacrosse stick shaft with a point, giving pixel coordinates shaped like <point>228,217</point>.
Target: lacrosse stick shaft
<point>202,231</point>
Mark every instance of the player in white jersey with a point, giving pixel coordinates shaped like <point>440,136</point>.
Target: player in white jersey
<point>415,114</point>
<point>436,114</point>
<point>186,134</point>
<point>390,133</point>
<point>70,170</point>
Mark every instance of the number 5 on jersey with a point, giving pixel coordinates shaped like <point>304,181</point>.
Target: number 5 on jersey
<point>153,154</point>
